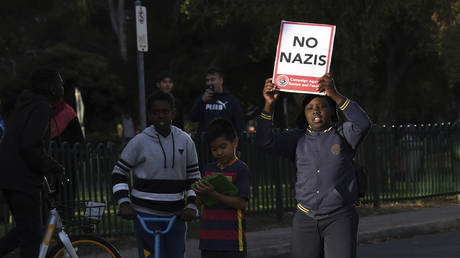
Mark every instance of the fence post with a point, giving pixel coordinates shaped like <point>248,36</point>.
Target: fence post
<point>278,184</point>
<point>374,168</point>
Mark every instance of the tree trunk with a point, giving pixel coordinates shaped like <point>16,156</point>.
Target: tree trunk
<point>117,19</point>
<point>397,63</point>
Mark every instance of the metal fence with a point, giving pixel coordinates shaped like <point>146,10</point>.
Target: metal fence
<point>402,162</point>
<point>411,162</point>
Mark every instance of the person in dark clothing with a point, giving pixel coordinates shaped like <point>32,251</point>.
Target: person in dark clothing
<point>325,223</point>
<point>165,83</point>
<point>215,102</point>
<point>24,160</point>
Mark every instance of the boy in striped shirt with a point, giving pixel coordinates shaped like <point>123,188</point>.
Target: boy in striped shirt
<point>223,226</point>
<point>164,163</point>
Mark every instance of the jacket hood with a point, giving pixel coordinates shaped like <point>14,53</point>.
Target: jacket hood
<point>155,137</point>
<point>150,131</point>
<point>28,98</point>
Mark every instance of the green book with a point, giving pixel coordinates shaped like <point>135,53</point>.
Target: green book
<point>221,185</point>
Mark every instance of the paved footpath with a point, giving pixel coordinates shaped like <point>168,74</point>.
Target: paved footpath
<point>276,242</point>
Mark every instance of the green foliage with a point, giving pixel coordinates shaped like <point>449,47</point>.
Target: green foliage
<point>449,38</point>
<point>385,51</point>
<point>101,89</point>
<point>399,59</point>
<point>66,35</point>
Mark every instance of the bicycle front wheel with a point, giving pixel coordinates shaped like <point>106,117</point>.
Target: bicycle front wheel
<point>86,246</point>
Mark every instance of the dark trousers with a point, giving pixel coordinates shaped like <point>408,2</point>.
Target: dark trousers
<point>27,234</point>
<point>334,237</point>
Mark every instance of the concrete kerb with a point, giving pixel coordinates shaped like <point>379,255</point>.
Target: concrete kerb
<point>407,224</point>
<point>277,242</point>
<point>407,230</point>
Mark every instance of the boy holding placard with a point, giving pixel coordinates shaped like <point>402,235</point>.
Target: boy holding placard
<point>223,225</point>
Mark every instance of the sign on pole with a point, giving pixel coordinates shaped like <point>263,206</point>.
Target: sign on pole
<point>303,55</point>
<point>141,29</point>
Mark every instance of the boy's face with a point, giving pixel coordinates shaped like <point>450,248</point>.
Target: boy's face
<point>161,116</point>
<point>216,81</point>
<point>223,150</point>
<point>166,84</point>
<point>318,113</point>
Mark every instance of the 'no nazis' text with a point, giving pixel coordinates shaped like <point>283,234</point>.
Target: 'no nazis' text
<point>309,59</point>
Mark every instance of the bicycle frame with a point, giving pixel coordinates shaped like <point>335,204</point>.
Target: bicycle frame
<point>55,223</point>
<point>157,234</point>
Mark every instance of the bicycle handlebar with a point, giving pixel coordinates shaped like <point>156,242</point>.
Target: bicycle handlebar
<point>171,220</point>
<point>59,180</point>
<point>47,186</point>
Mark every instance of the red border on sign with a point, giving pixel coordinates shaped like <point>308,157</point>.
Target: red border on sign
<point>293,87</point>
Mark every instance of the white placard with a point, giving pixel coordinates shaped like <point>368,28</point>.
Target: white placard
<point>303,55</point>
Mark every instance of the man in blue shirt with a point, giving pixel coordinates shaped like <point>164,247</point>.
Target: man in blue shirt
<point>216,101</point>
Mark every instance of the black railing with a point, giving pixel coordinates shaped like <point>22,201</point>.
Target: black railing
<point>402,162</point>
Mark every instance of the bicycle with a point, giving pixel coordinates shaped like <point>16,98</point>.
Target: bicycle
<point>75,246</point>
<point>157,233</point>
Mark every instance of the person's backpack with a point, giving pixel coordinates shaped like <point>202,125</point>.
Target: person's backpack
<point>361,175</point>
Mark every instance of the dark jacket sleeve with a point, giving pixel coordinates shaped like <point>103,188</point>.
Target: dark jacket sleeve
<point>358,124</point>
<point>283,143</point>
<point>32,145</point>
<point>197,110</point>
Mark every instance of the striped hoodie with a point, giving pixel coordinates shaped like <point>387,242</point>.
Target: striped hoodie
<point>163,169</point>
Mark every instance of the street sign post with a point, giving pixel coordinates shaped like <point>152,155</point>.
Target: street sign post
<point>142,46</point>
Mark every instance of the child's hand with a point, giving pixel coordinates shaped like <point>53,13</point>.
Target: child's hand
<point>198,200</point>
<point>188,214</point>
<point>127,211</point>
<point>327,85</point>
<point>270,94</point>
<point>202,187</point>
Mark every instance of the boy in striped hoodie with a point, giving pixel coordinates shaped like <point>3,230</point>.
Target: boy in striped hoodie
<point>164,163</point>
